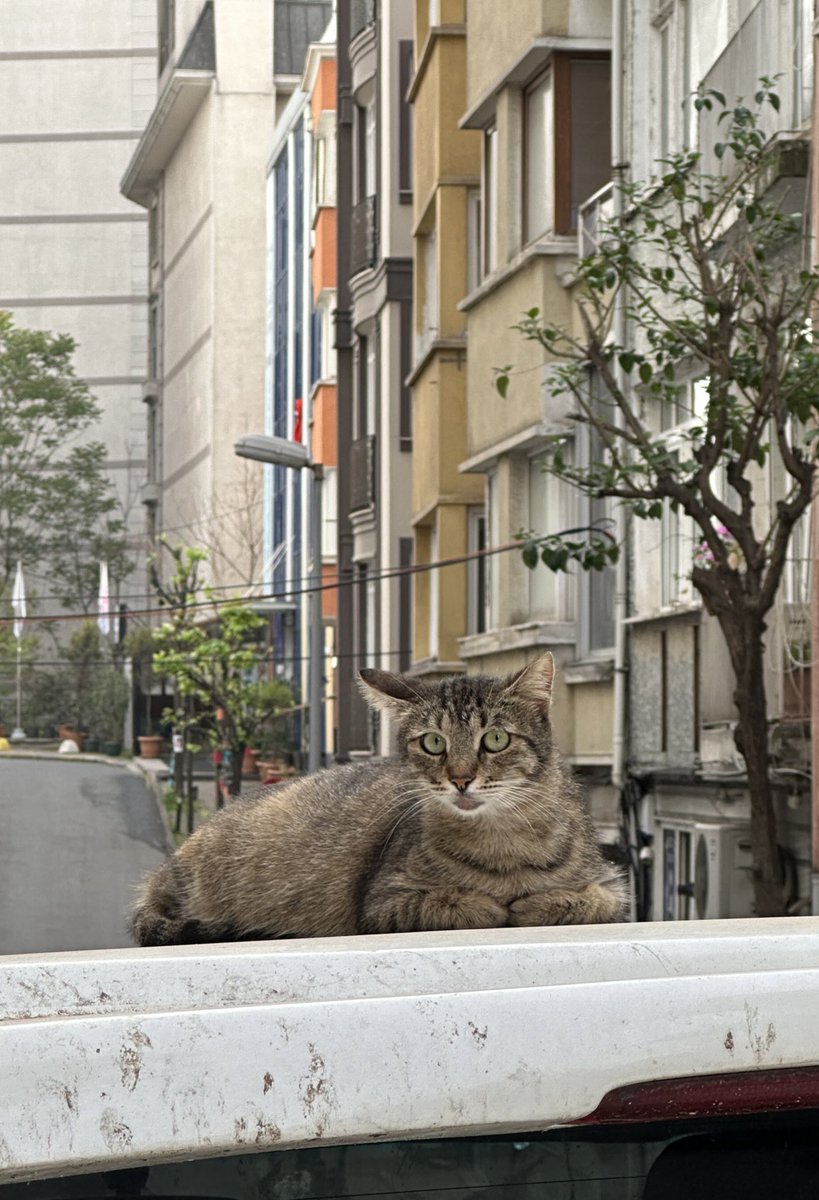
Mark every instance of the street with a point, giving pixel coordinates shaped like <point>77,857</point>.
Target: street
<point>75,839</point>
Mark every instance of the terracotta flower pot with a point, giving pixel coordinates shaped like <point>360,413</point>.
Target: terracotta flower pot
<point>150,746</point>
<point>68,731</point>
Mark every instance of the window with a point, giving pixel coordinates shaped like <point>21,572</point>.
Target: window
<point>153,443</point>
<point>365,409</point>
<point>329,515</point>
<point>473,239</point>
<point>153,339</point>
<point>567,141</point>
<point>405,64</point>
<point>550,593</point>
<point>324,170</point>
<point>365,143</point>
<point>428,331</point>
<point>405,548</point>
<point>153,232</point>
<point>664,85</point>
<point>405,367</point>
<point>434,604</point>
<point>493,529</point>
<point>489,201</point>
<point>165,32</point>
<point>319,169</point>
<point>540,153</point>
<point>477,573</point>
<point>680,424</point>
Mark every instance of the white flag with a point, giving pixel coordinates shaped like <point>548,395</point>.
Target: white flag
<point>104,603</point>
<point>18,602</point>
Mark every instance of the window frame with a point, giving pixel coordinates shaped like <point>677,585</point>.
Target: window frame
<point>559,69</point>
<point>477,593</point>
<point>489,200</point>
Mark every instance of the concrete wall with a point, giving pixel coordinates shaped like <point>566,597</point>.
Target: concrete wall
<point>77,84</point>
<point>213,283</point>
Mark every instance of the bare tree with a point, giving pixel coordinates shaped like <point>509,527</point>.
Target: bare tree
<point>708,270</point>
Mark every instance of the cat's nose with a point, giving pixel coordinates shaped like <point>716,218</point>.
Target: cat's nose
<point>462,782</point>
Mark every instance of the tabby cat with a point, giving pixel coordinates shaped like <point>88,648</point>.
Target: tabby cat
<point>478,824</point>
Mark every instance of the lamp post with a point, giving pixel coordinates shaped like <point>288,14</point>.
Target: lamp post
<point>282,453</point>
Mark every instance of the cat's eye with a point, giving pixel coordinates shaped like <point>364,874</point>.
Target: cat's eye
<point>433,743</point>
<point>495,740</point>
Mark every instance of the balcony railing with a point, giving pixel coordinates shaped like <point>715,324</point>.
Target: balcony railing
<point>364,235</point>
<point>593,218</point>
<point>362,14</point>
<point>362,473</point>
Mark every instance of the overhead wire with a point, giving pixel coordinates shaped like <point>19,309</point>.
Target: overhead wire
<point>282,593</point>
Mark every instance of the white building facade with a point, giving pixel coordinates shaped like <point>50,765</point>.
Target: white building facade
<point>77,84</point>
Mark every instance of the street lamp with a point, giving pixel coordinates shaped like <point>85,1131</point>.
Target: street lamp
<point>282,453</point>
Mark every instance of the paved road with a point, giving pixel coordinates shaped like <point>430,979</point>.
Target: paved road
<point>75,838</point>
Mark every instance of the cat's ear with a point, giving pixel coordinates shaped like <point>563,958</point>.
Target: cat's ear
<point>534,682</point>
<point>382,689</point>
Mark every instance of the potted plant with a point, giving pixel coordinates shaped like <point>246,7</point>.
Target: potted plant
<point>139,646</point>
<point>150,745</point>
<point>109,703</point>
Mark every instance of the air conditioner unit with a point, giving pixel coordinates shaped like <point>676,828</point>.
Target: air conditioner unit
<point>702,870</point>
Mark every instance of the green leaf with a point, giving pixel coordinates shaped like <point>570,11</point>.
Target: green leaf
<point>646,372</point>
<point>719,149</point>
<point>502,385</point>
<point>627,361</point>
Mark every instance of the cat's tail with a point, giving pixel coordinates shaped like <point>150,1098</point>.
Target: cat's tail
<point>158,917</point>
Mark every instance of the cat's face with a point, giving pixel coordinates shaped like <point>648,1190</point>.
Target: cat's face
<point>472,741</point>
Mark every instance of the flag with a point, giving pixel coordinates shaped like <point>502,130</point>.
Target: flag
<point>104,603</point>
<point>18,602</point>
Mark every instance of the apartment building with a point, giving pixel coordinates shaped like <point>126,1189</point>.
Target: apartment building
<point>447,504</point>
<point>537,97</point>
<point>77,84</point>
<point>680,696</point>
<point>374,346</point>
<point>300,390</point>
<point>226,69</point>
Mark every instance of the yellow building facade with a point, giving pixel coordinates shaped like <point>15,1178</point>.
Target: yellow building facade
<point>538,97</point>
<point>446,178</point>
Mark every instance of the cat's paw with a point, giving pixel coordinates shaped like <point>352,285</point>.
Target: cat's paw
<point>454,909</point>
<point>591,906</point>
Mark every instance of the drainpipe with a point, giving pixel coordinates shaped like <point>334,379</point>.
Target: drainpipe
<point>621,578</point>
<point>814,524</point>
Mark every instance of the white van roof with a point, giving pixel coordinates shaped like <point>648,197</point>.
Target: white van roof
<point>116,1058</point>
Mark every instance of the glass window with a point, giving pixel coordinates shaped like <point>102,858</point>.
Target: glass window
<point>428,331</point>
<point>540,157</point>
<point>567,142</point>
<point>493,526</point>
<point>590,150</point>
<point>434,605</point>
<point>697,1157</point>
<point>490,201</point>
<point>473,239</point>
<point>478,576</point>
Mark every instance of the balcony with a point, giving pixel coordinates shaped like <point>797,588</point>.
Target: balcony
<point>593,220</point>
<point>364,235</point>
<point>362,473</point>
<point>362,14</point>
